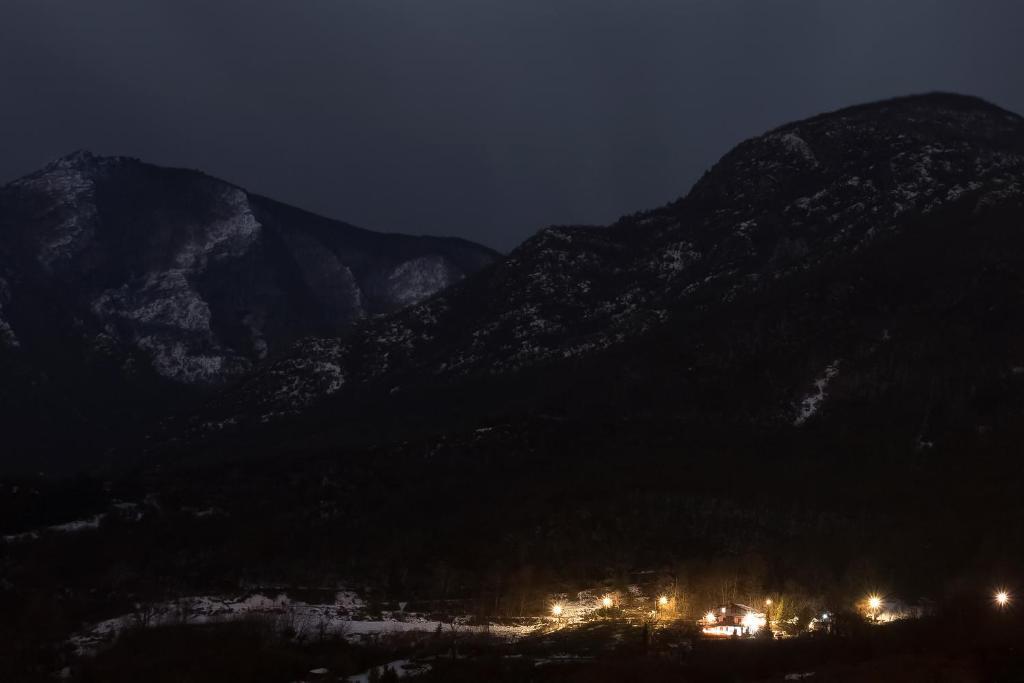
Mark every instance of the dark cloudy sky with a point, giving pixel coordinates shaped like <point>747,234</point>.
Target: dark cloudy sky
<point>486,119</point>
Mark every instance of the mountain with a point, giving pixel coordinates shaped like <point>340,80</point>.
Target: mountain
<point>856,273</point>
<point>809,368</point>
<point>127,289</point>
<point>804,379</point>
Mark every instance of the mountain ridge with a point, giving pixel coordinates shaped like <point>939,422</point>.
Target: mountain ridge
<point>801,203</point>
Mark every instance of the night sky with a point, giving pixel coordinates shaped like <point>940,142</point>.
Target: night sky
<point>485,119</point>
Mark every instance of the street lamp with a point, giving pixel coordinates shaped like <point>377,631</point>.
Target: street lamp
<point>1002,599</point>
<point>556,610</point>
<point>606,602</point>
<point>663,600</point>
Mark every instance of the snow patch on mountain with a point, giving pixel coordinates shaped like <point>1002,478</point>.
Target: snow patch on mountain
<point>418,278</point>
<point>71,217</point>
<point>676,258</point>
<point>229,237</point>
<point>163,298</point>
<point>168,317</point>
<point>295,382</point>
<point>811,403</point>
<point>797,145</point>
<point>178,362</point>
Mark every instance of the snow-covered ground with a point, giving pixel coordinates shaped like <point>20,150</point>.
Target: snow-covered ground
<point>344,617</point>
<point>403,668</point>
<point>68,527</point>
<point>130,511</point>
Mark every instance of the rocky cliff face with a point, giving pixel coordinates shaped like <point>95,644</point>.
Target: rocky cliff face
<point>824,259</point>
<point>136,278</point>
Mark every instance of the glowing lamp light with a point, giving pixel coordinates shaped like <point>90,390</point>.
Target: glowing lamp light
<point>606,602</point>
<point>663,600</point>
<point>874,602</point>
<point>752,622</point>
<point>1002,598</point>
<point>556,610</point>
<point>768,602</point>
<point>709,617</point>
<point>723,610</point>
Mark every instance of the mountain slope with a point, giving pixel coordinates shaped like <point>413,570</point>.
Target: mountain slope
<point>862,258</point>
<point>127,288</point>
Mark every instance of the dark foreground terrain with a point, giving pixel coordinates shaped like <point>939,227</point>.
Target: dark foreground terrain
<point>987,648</point>
<point>487,528</point>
